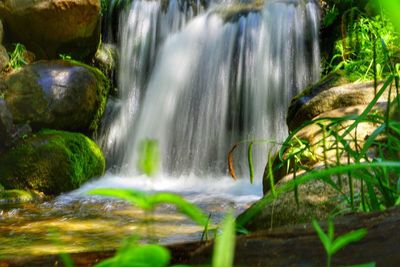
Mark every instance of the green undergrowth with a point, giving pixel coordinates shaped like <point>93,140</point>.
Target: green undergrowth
<point>360,52</point>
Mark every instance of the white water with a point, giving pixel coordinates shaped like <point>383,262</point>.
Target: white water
<point>198,85</point>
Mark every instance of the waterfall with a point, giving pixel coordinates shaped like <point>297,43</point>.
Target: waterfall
<point>199,84</point>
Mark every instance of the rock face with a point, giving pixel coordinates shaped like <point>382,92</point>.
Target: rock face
<point>52,27</point>
<point>4,58</point>
<point>57,94</point>
<point>6,125</point>
<point>51,162</point>
<point>332,92</point>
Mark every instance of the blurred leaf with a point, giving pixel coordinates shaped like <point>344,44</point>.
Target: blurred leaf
<point>135,197</point>
<point>149,157</point>
<point>139,256</point>
<point>150,201</point>
<point>326,242</point>
<point>250,160</point>
<point>224,247</point>
<point>184,207</point>
<point>348,238</point>
<point>369,264</point>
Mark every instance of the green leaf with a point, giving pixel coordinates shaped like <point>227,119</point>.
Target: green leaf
<point>369,264</point>
<point>149,157</point>
<point>184,207</point>
<point>135,197</point>
<point>224,247</point>
<point>250,160</point>
<point>348,238</point>
<point>139,256</point>
<point>326,242</point>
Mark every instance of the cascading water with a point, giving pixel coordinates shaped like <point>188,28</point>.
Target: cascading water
<point>198,82</point>
<point>143,27</point>
<point>212,84</point>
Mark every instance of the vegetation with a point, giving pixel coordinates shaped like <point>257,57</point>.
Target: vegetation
<point>332,245</point>
<point>17,57</point>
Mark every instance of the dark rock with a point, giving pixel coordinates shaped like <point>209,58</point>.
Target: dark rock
<point>6,125</point>
<point>51,162</point>
<point>52,27</point>
<point>57,94</point>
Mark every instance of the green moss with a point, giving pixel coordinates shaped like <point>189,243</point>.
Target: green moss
<point>51,162</point>
<point>17,196</point>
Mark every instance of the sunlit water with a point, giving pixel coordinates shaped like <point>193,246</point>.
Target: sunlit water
<point>75,222</point>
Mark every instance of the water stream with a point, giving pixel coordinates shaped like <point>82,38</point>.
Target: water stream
<point>197,77</point>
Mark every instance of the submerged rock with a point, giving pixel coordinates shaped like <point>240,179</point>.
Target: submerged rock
<point>53,27</point>
<point>57,94</point>
<point>51,162</point>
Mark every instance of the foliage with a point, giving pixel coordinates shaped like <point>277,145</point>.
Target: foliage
<point>17,59</point>
<point>149,160</point>
<point>224,247</point>
<point>361,51</point>
<point>149,202</point>
<point>332,245</point>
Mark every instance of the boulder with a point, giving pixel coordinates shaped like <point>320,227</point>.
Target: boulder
<point>58,94</point>
<point>53,27</point>
<point>331,92</point>
<point>51,162</point>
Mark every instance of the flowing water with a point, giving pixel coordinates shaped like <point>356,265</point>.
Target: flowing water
<point>197,77</point>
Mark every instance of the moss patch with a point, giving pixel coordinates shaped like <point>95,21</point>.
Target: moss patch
<point>17,196</point>
<point>51,162</point>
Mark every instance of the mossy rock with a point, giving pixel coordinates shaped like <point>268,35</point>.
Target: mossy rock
<point>15,196</point>
<point>51,162</point>
<point>62,95</point>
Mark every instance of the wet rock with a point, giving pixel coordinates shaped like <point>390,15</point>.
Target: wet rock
<point>332,92</point>
<point>57,94</point>
<point>51,162</point>
<point>52,27</point>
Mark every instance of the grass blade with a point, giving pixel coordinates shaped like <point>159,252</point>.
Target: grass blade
<point>224,247</point>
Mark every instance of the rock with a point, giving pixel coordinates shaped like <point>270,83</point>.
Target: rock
<point>18,196</point>
<point>57,94</point>
<point>51,162</point>
<point>332,92</point>
<point>6,125</point>
<point>53,27</point>
<point>1,32</point>
<point>4,58</point>
<point>106,60</point>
